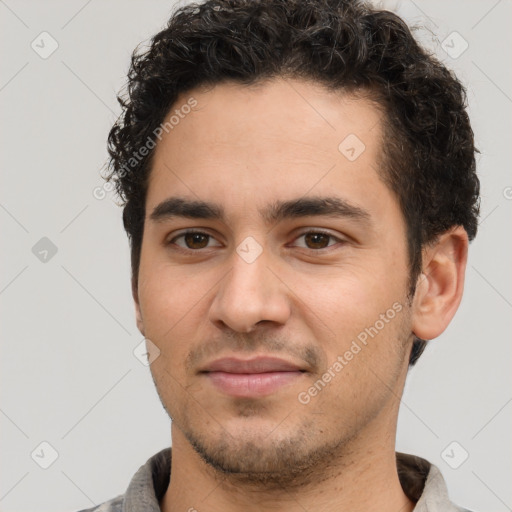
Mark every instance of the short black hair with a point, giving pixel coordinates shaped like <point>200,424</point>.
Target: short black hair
<point>428,158</point>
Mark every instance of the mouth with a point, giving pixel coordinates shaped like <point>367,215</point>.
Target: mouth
<point>253,378</point>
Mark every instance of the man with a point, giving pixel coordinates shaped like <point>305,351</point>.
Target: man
<point>299,192</point>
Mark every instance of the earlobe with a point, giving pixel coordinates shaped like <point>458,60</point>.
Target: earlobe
<point>138,313</point>
<point>441,283</point>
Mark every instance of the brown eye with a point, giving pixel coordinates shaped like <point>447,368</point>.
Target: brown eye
<point>192,240</point>
<point>196,240</point>
<point>317,240</point>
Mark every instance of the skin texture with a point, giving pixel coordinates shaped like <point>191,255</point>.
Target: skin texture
<point>245,148</point>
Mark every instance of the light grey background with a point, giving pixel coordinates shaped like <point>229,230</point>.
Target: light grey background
<point>68,373</point>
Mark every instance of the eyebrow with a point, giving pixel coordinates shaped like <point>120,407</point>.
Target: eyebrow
<point>274,212</point>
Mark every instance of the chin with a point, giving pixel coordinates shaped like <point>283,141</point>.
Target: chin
<point>260,452</point>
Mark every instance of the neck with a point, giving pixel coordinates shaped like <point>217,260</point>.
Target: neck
<point>360,477</point>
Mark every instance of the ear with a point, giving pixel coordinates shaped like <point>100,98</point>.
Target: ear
<point>439,288</point>
<point>138,314</point>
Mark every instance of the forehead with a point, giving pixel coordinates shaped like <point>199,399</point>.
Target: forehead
<point>282,111</point>
<point>276,140</point>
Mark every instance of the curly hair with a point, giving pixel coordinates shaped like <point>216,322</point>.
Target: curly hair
<point>428,156</point>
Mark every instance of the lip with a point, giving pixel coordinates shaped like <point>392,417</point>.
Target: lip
<point>260,364</point>
<point>251,378</point>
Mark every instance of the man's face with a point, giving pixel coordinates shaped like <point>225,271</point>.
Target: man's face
<point>282,337</point>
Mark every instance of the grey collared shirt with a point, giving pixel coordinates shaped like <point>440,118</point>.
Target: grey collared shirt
<point>421,481</point>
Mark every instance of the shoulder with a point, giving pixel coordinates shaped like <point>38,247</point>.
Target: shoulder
<point>145,489</point>
<point>423,483</point>
<point>113,505</point>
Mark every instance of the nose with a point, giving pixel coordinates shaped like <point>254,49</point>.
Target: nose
<point>250,294</point>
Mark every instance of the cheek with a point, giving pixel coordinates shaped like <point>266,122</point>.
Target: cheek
<point>172,311</point>
<point>166,295</point>
<point>364,358</point>
<point>346,301</point>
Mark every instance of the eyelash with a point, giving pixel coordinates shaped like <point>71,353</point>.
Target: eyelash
<point>315,231</point>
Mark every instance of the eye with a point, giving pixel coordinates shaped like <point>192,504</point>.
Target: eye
<point>196,240</point>
<point>193,240</point>
<point>317,240</point>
